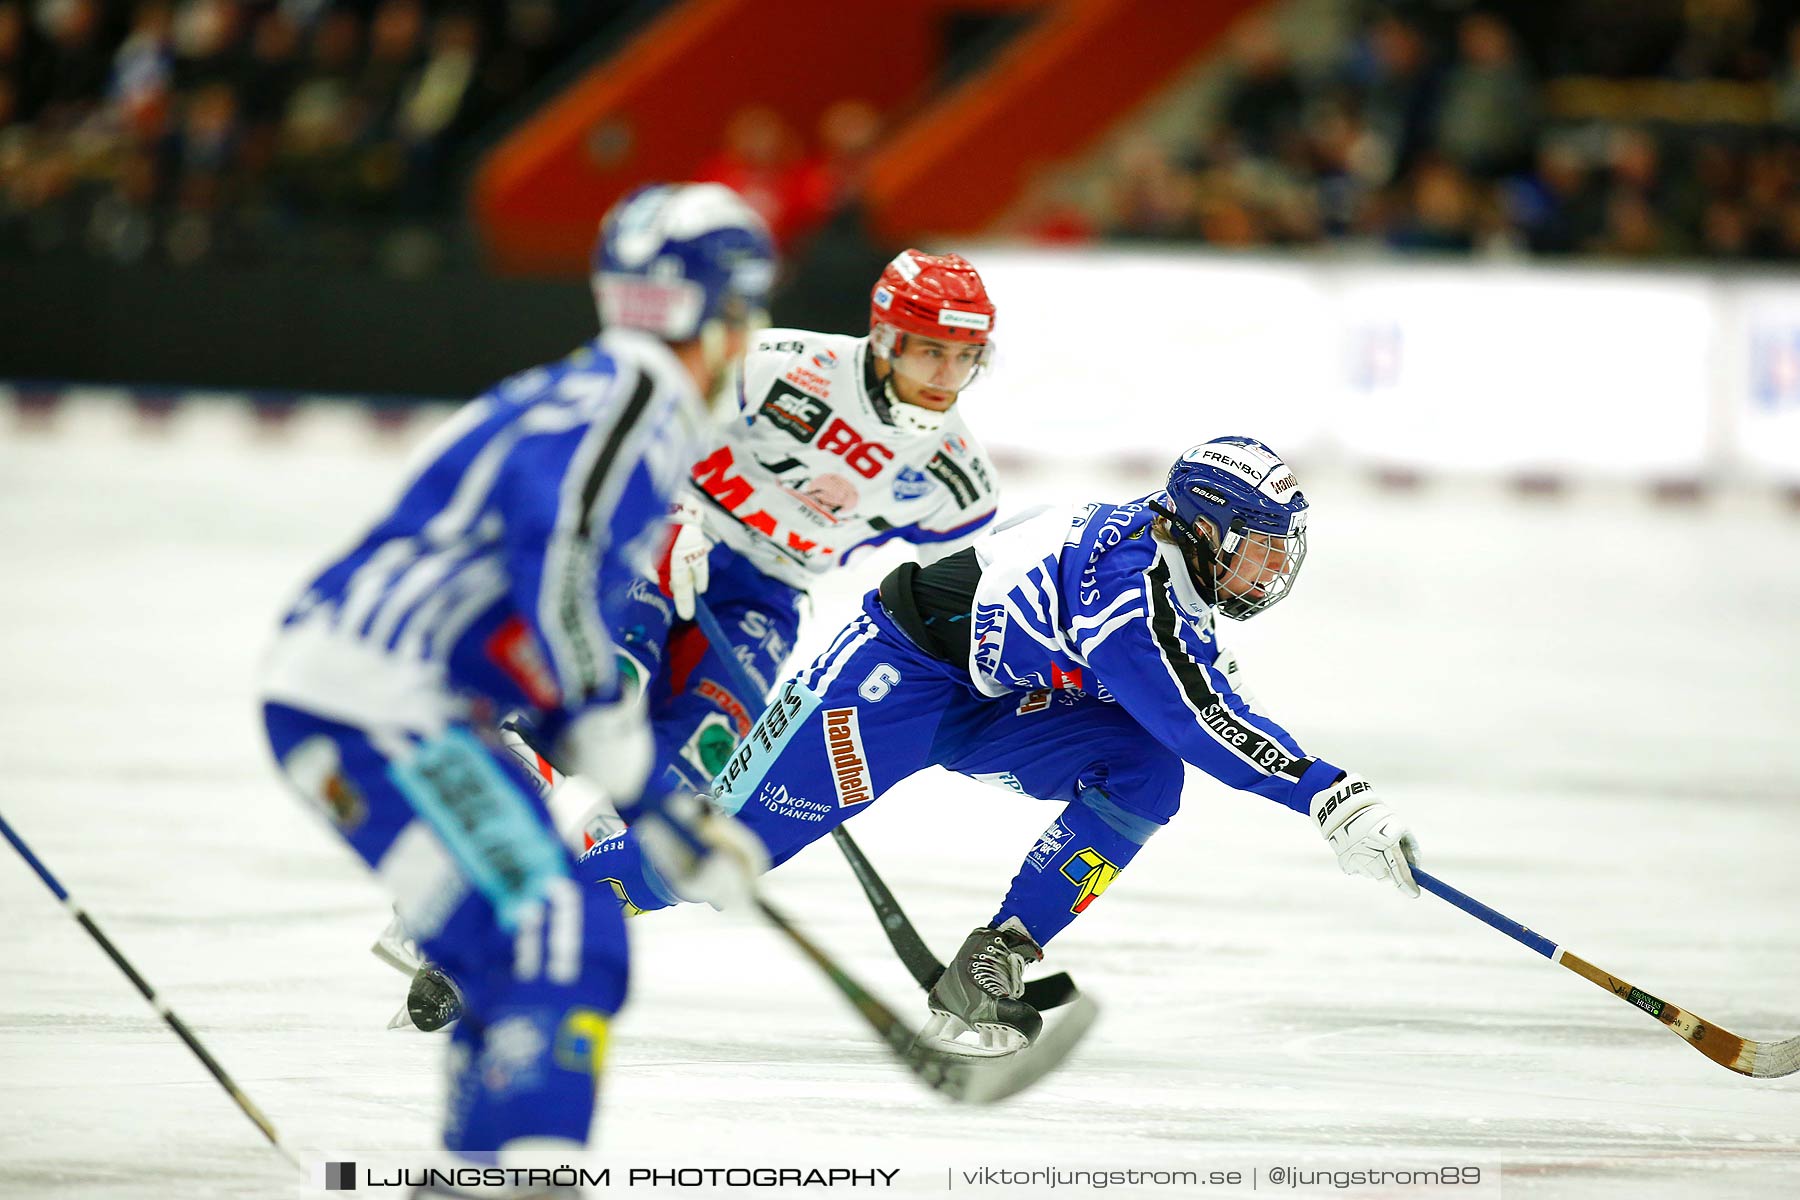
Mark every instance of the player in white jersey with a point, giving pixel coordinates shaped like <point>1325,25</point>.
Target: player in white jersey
<point>839,444</point>
<point>489,585</point>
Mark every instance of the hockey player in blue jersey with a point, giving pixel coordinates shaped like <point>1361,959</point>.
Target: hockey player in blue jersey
<point>492,585</point>
<point>1073,658</point>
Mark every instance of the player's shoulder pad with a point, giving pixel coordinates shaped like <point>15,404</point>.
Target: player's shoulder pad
<point>796,360</point>
<point>962,465</point>
<point>1119,539</point>
<point>580,379</point>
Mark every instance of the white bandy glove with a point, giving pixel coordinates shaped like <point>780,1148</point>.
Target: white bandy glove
<point>1367,836</point>
<point>609,745</point>
<point>685,571</point>
<point>720,870</point>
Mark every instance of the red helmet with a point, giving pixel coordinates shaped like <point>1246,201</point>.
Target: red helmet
<point>934,295</point>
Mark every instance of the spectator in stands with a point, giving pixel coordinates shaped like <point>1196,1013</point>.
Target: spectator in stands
<point>1489,113</point>
<point>1265,101</point>
<point>24,62</point>
<point>1556,207</point>
<point>532,39</point>
<point>434,104</point>
<point>825,181</point>
<point>1787,78</point>
<point>324,117</point>
<point>80,66</point>
<point>1151,197</point>
<point>1392,73</point>
<point>1442,214</point>
<point>760,162</point>
<point>144,71</point>
<point>1716,42</point>
<point>396,47</point>
<point>1054,210</point>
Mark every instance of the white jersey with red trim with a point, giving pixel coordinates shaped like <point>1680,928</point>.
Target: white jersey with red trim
<point>812,470</point>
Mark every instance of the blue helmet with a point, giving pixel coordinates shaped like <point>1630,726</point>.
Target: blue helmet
<point>1240,511</point>
<point>672,259</point>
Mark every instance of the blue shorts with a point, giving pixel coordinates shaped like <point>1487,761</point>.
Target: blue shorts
<point>874,709</point>
<point>458,835</point>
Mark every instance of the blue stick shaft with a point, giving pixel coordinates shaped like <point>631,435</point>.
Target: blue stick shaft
<point>1482,912</point>
<point>31,860</point>
<point>715,634</point>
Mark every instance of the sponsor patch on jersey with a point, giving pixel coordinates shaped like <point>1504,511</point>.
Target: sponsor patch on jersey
<point>777,799</point>
<point>827,494</point>
<point>988,637</point>
<point>954,478</point>
<point>1035,701</point>
<point>812,381</point>
<point>911,483</point>
<point>1049,845</point>
<point>825,360</point>
<point>512,1054</point>
<point>956,318</point>
<point>642,591</point>
<point>581,1039</point>
<point>714,692</point>
<point>1089,870</point>
<point>344,802</point>
<point>781,347</point>
<point>1001,779</point>
<point>849,765</point>
<point>791,409</point>
<point>625,903</point>
<point>514,649</point>
<point>710,747</point>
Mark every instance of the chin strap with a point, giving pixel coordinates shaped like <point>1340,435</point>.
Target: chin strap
<point>911,418</point>
<point>1199,553</point>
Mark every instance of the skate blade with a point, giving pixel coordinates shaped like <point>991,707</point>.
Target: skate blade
<point>395,949</point>
<point>947,1034</point>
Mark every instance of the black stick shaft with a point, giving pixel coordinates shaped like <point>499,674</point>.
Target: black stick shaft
<point>144,989</point>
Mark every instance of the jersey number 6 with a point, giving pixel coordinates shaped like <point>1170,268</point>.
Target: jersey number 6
<point>879,682</point>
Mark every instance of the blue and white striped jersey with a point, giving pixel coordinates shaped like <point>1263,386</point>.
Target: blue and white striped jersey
<point>488,584</point>
<point>1091,599</point>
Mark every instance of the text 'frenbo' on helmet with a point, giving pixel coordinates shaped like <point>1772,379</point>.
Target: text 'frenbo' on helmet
<point>673,258</point>
<point>1236,492</point>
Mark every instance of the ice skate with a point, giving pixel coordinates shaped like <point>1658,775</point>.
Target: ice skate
<point>976,1008</point>
<point>432,1002</point>
<point>396,948</point>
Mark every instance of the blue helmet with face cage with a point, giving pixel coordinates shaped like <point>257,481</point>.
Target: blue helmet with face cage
<point>1226,495</point>
<point>673,259</point>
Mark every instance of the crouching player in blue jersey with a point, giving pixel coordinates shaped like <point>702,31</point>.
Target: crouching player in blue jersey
<point>1073,656</point>
<point>491,586</point>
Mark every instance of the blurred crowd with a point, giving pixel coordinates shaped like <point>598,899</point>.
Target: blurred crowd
<point>1622,128</point>
<point>181,130</point>
<point>189,130</point>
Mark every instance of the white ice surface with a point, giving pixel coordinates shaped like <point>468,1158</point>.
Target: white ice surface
<point>1587,710</point>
